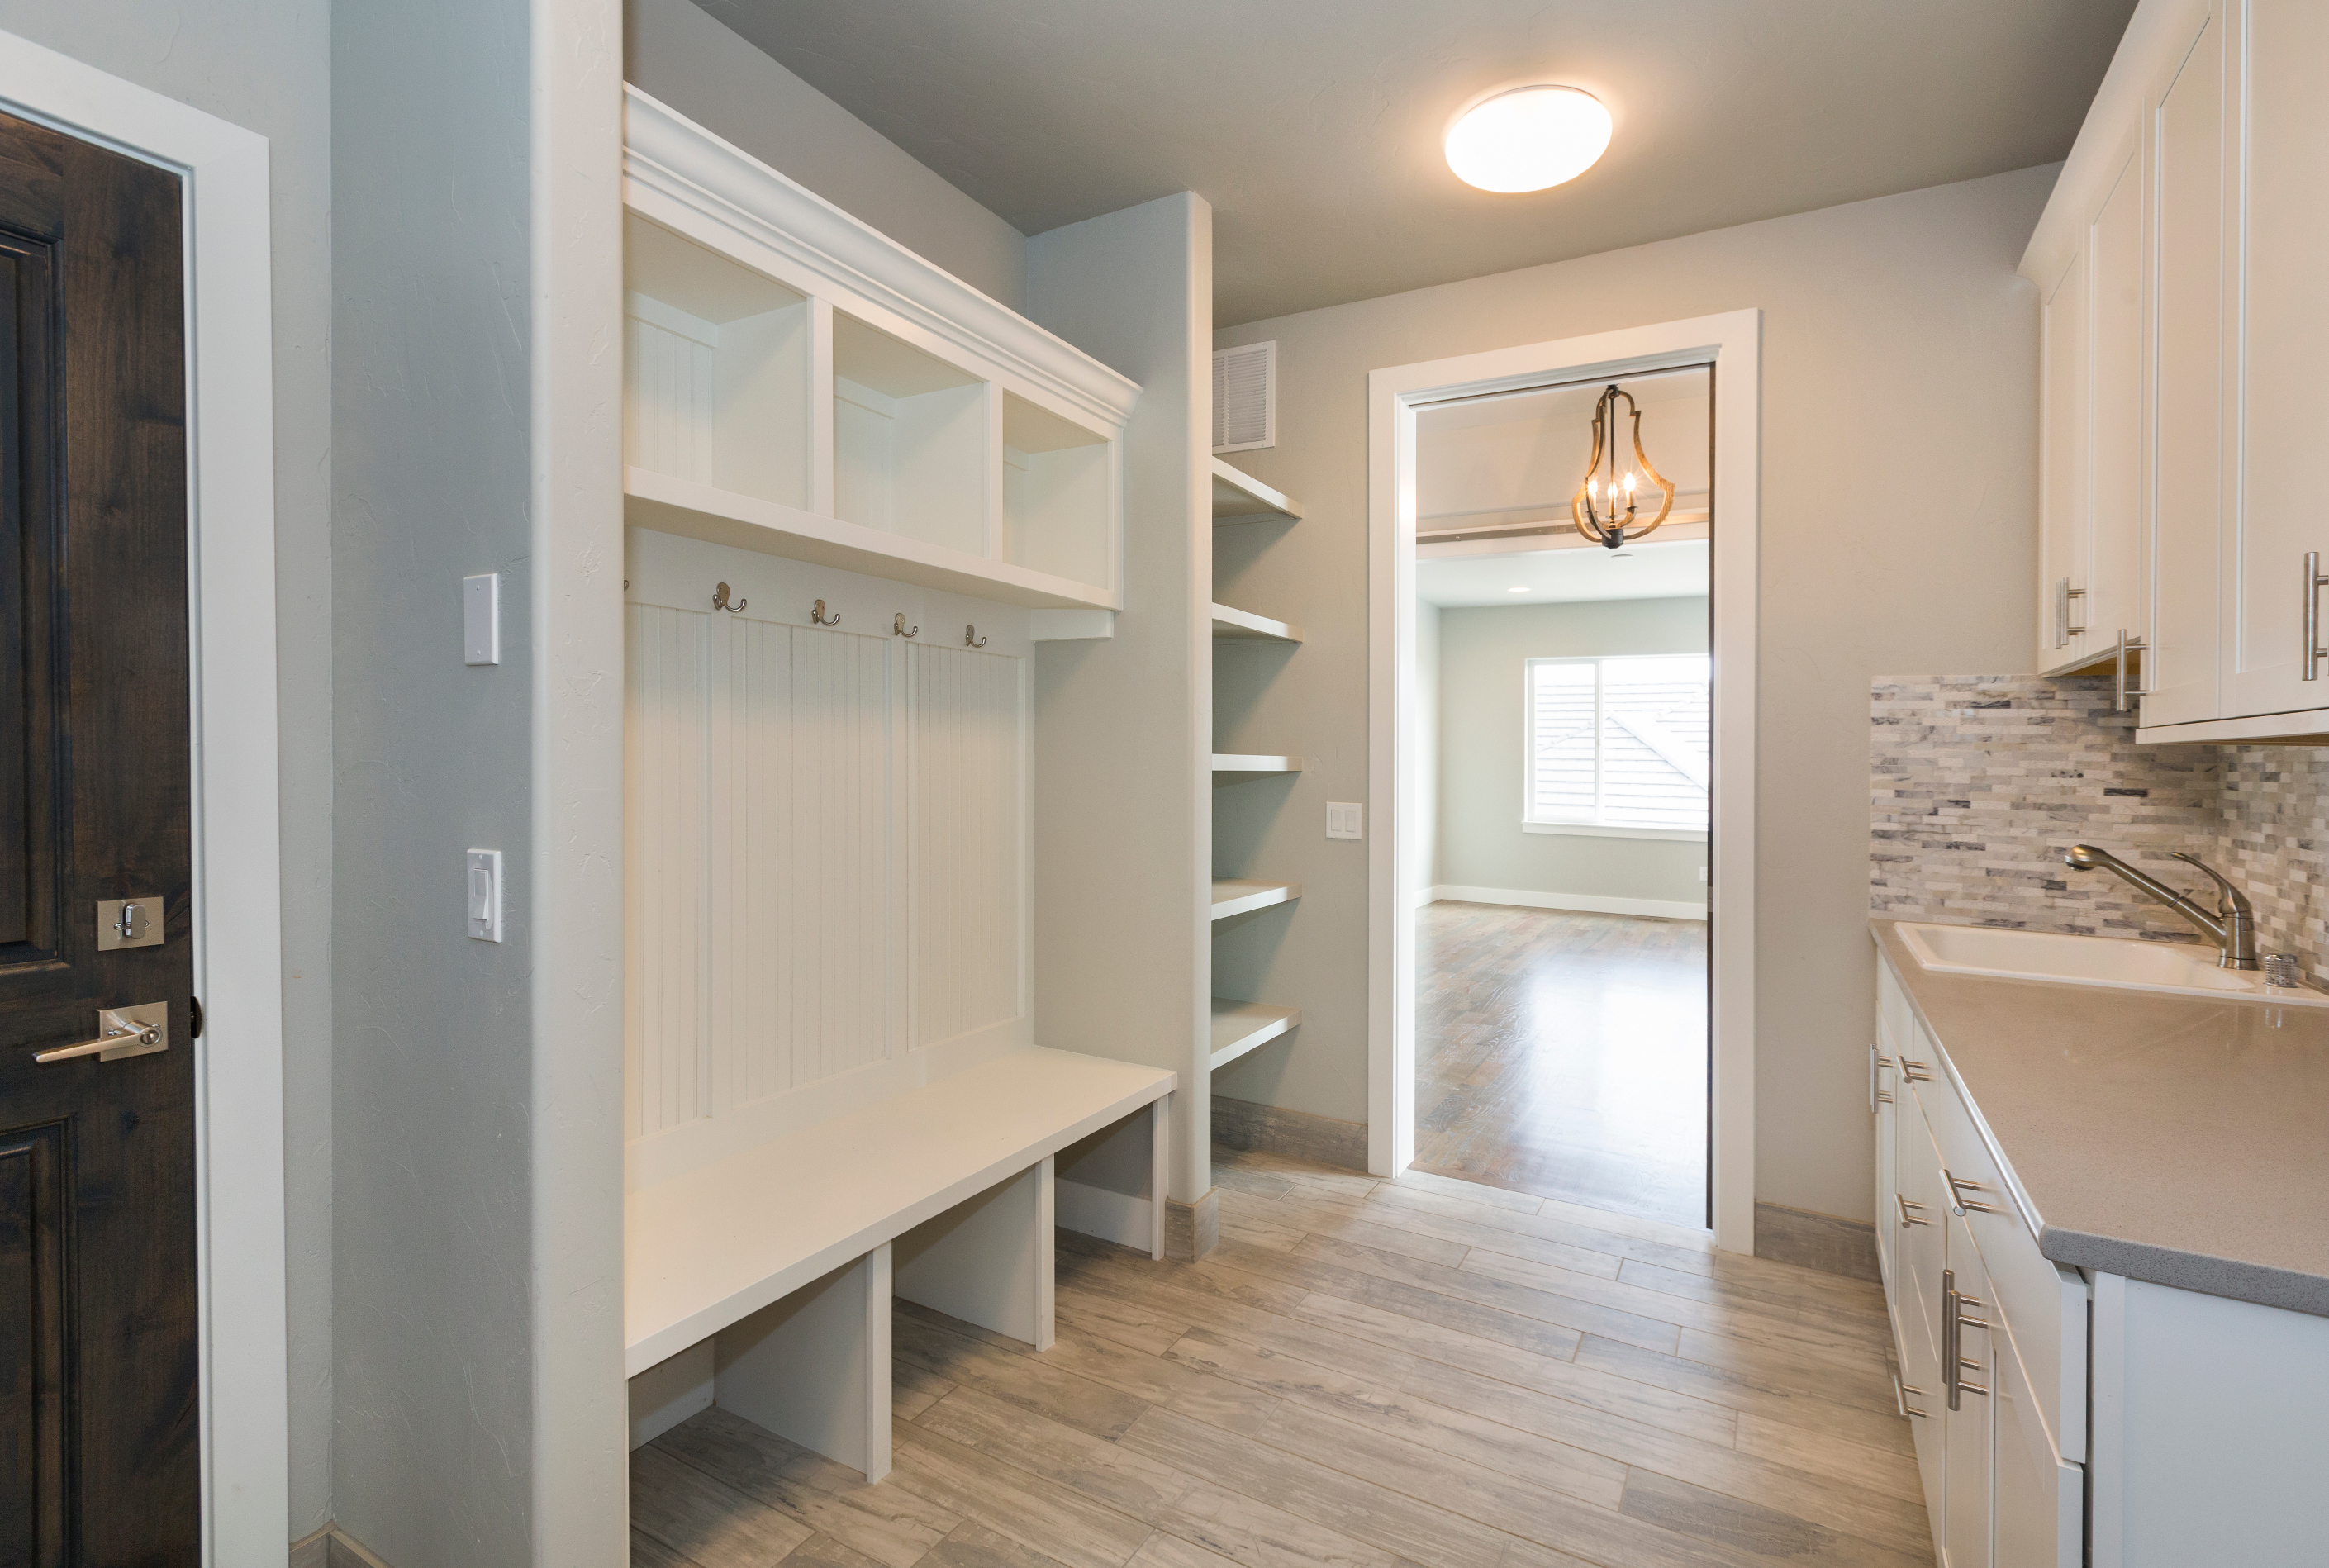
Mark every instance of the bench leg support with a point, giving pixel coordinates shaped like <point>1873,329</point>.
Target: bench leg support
<point>1160,1171</point>
<point>988,1259</point>
<point>814,1367</point>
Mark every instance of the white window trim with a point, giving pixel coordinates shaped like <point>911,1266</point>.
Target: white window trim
<point>1531,823</point>
<point>1613,830</point>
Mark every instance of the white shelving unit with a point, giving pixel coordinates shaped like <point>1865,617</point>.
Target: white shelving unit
<point>1237,767</point>
<point>798,385</point>
<point>1244,626</point>
<point>1240,1026</point>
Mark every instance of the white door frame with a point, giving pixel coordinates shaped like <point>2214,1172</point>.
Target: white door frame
<point>1732,343</point>
<point>238,884</point>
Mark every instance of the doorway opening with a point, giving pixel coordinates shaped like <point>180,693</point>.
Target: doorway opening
<point>1565,731</point>
<point>1562,760</point>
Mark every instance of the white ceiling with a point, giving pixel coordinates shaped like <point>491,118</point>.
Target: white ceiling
<point>1314,126</point>
<point>1655,569</point>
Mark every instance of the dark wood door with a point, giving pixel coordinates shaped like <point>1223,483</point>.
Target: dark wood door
<point>99,1463</point>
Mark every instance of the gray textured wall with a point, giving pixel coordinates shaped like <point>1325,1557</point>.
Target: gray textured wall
<point>1482,742</point>
<point>1899,532</point>
<point>264,64</point>
<point>431,481</point>
<point>679,52</point>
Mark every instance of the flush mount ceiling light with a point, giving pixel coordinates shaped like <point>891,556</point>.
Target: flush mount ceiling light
<point>1528,139</point>
<point>1516,591</point>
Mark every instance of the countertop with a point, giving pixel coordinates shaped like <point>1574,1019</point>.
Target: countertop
<point>2179,1140</point>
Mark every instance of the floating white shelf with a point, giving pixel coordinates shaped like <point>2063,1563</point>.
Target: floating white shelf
<point>1240,1026</point>
<point>1243,625</point>
<point>1237,767</point>
<point>1238,896</point>
<point>1239,497</point>
<point>659,501</point>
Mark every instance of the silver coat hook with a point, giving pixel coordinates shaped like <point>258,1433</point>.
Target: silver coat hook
<point>970,637</point>
<point>816,616</point>
<point>720,600</point>
<point>898,627</point>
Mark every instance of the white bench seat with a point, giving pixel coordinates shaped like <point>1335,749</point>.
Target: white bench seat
<point>706,1250</point>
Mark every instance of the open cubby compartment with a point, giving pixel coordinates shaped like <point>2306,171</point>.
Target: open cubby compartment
<point>910,440</point>
<point>715,369</point>
<point>1059,494</point>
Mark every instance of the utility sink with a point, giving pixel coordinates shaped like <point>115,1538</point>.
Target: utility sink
<point>2122,964</point>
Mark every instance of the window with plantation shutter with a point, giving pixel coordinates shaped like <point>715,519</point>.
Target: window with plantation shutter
<point>1617,743</point>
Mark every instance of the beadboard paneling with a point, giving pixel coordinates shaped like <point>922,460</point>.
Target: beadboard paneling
<point>667,984</point>
<point>966,724</point>
<point>667,391</point>
<point>800,866</point>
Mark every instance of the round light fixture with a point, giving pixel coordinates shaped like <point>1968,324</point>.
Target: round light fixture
<point>1516,591</point>
<point>1528,139</point>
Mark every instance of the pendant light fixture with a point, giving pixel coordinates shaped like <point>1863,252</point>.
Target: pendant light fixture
<point>1593,509</point>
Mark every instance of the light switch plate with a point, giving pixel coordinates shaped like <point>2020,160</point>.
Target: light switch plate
<point>484,892</point>
<point>481,620</point>
<point>1343,820</point>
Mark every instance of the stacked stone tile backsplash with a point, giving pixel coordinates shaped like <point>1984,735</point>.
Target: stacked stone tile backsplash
<point>2273,838</point>
<point>1979,782</point>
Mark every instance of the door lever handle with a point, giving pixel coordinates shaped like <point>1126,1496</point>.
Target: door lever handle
<point>126,1034</point>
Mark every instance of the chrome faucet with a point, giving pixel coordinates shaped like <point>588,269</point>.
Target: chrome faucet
<point>2233,926</point>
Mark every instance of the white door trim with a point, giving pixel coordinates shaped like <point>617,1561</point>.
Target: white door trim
<point>1732,343</point>
<point>238,884</point>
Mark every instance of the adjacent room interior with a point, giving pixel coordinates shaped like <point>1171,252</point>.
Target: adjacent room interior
<point>1563,763</point>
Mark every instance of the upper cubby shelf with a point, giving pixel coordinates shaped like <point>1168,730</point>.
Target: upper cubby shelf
<point>796,382</point>
<point>1239,497</point>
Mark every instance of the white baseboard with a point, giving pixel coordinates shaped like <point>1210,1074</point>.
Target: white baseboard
<point>1092,1211</point>
<point>1581,902</point>
<point>669,1392</point>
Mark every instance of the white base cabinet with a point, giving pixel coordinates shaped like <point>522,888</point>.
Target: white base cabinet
<point>2064,1419</point>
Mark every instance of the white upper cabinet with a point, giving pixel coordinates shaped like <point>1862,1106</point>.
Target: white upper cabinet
<point>797,383</point>
<point>2186,125</point>
<point>2183,329</point>
<point>2282,387</point>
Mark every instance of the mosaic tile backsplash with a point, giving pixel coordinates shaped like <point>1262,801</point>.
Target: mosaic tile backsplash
<point>1979,782</point>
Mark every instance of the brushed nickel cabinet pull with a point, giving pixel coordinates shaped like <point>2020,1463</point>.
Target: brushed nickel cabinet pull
<point>2122,693</point>
<point>1900,1391</point>
<point>1960,1204</point>
<point>1908,1203</point>
<point>2314,580</point>
<point>1916,1071</point>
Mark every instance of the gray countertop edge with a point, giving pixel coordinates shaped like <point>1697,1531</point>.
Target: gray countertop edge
<point>2226,1277</point>
<point>2260,1283</point>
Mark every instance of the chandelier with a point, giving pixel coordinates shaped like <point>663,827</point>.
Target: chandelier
<point>1595,509</point>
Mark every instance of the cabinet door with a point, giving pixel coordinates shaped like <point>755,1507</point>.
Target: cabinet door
<point>2114,514</point>
<point>1923,1211</point>
<point>2039,1497</point>
<point>1967,1420</point>
<point>2187,378</point>
<point>2282,354</point>
<point>1883,1078</point>
<point>2064,455</point>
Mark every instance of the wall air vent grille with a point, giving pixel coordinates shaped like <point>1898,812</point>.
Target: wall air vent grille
<point>1245,397</point>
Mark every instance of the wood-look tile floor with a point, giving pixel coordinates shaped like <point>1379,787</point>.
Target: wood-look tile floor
<point>1563,1055</point>
<point>1365,1374</point>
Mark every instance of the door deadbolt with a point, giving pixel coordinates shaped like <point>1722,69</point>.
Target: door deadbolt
<point>128,922</point>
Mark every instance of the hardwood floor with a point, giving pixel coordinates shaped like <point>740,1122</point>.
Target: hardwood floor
<point>1563,1055</point>
<point>1420,1374</point>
